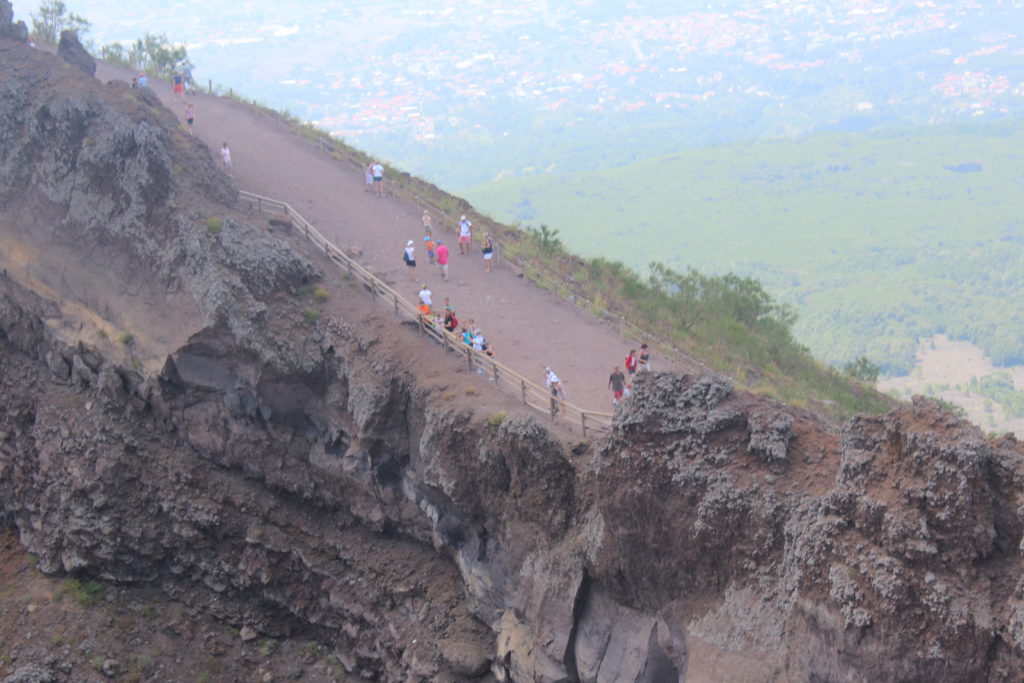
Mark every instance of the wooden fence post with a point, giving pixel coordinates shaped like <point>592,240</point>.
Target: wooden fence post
<point>583,422</point>
<point>396,304</point>
<point>524,390</point>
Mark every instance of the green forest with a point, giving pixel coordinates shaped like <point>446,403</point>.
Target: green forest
<point>876,239</point>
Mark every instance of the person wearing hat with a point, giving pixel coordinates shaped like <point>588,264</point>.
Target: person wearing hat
<point>431,246</point>
<point>465,235</point>
<point>555,385</point>
<point>410,259</point>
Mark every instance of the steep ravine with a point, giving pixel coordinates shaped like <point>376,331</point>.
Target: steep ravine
<point>312,479</point>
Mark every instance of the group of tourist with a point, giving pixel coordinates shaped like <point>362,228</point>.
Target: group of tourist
<point>437,251</point>
<point>620,383</point>
<point>444,318</point>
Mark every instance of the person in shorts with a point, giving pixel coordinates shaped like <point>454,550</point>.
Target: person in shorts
<point>441,254</point>
<point>179,85</point>
<point>488,249</point>
<point>378,177</point>
<point>368,177</point>
<point>617,383</point>
<point>465,235</point>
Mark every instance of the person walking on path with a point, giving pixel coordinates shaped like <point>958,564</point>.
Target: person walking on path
<point>465,235</point>
<point>488,249</point>
<point>179,85</point>
<point>368,173</point>
<point>555,385</point>
<point>442,260</point>
<point>410,259</point>
<point>428,229</point>
<point>143,79</point>
<point>617,383</point>
<point>644,359</point>
<point>190,116</point>
<point>630,367</point>
<point>378,177</point>
<point>225,158</point>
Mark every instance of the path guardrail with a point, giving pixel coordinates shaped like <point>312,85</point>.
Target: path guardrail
<point>503,376</point>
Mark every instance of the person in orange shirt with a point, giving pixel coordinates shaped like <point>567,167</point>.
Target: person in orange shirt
<point>431,247</point>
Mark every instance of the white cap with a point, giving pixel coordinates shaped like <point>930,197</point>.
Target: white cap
<point>409,243</point>
<point>463,217</point>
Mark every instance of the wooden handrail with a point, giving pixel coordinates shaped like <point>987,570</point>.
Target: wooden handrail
<point>532,394</point>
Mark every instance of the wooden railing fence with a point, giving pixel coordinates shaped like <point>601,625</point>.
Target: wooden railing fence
<point>504,377</point>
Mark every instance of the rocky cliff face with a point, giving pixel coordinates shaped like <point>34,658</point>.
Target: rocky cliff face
<point>295,480</point>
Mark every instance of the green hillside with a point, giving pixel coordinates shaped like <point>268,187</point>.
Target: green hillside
<point>876,238</point>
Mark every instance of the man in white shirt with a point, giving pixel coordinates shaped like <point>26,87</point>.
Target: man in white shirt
<point>425,295</point>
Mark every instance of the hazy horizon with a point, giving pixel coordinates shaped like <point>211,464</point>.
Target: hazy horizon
<point>545,87</point>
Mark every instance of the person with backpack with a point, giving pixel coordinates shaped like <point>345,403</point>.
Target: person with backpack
<point>630,364</point>
<point>410,259</point>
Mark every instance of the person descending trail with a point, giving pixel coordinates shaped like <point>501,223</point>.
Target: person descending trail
<point>617,383</point>
<point>378,177</point>
<point>179,85</point>
<point>190,116</point>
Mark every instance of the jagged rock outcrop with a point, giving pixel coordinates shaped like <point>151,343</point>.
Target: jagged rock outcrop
<point>71,51</point>
<point>10,29</point>
<point>166,418</point>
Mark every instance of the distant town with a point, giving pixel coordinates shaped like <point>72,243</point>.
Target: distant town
<point>417,79</point>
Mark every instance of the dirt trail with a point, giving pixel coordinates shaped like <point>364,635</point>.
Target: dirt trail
<point>529,327</point>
